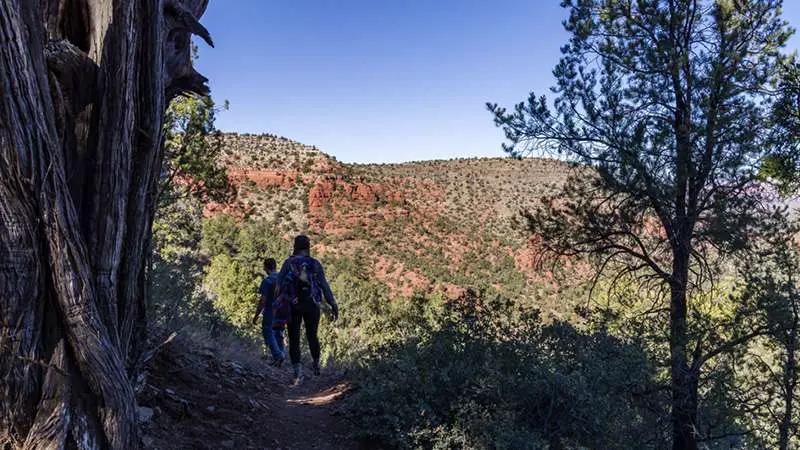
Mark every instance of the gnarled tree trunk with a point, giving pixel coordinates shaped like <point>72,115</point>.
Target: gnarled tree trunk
<point>83,88</point>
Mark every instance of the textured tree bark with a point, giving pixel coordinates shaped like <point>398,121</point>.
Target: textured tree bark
<point>83,88</point>
<point>683,412</point>
<point>684,378</point>
<point>789,383</point>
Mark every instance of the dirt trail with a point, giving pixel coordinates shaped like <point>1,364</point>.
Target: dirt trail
<point>314,411</point>
<point>193,398</point>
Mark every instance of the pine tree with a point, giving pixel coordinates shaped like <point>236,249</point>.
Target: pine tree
<point>668,102</point>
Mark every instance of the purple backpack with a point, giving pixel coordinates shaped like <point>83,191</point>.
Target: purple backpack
<point>300,289</point>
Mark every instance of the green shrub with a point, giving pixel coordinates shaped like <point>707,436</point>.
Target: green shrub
<point>177,300</point>
<point>236,251</point>
<point>369,319</point>
<point>490,374</point>
<point>235,287</point>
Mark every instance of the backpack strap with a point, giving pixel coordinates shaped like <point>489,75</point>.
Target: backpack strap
<point>293,266</point>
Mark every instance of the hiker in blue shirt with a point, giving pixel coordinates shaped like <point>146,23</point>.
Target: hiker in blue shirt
<point>273,337</point>
<point>302,284</point>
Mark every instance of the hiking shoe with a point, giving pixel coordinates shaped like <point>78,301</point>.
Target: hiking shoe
<point>279,362</point>
<point>316,368</point>
<point>297,381</point>
<point>297,378</point>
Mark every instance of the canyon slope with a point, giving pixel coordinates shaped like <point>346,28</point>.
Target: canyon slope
<point>419,227</point>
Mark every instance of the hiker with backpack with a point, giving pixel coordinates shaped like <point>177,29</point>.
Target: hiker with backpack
<point>302,285</point>
<point>271,329</point>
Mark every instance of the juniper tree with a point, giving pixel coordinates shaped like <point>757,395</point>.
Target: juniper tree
<point>83,90</point>
<point>192,175</point>
<point>192,148</point>
<point>668,102</point>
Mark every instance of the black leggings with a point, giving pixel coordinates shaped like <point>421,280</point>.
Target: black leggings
<point>312,323</point>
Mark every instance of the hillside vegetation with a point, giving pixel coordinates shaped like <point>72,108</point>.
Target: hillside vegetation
<point>644,296</point>
<point>415,284</point>
<point>638,290</point>
<point>419,227</point>
<point>451,334</point>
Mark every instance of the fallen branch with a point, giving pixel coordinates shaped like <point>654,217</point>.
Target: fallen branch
<point>149,354</point>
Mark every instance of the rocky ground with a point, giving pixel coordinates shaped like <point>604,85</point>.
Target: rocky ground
<point>197,397</point>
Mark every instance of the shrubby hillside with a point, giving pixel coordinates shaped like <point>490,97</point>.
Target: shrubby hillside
<point>639,291</point>
<point>420,227</point>
<point>430,268</point>
<point>643,297</point>
<point>452,334</point>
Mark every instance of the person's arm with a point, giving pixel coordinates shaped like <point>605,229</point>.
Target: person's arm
<point>326,291</point>
<point>261,302</point>
<point>259,308</point>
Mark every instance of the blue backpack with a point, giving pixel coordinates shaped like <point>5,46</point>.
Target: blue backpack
<point>300,288</point>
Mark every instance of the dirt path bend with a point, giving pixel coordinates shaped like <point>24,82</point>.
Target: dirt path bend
<point>313,412</point>
<point>198,399</point>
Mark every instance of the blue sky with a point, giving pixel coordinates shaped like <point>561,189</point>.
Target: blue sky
<point>380,80</point>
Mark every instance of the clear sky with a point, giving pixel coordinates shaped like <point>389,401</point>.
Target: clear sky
<point>382,80</point>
